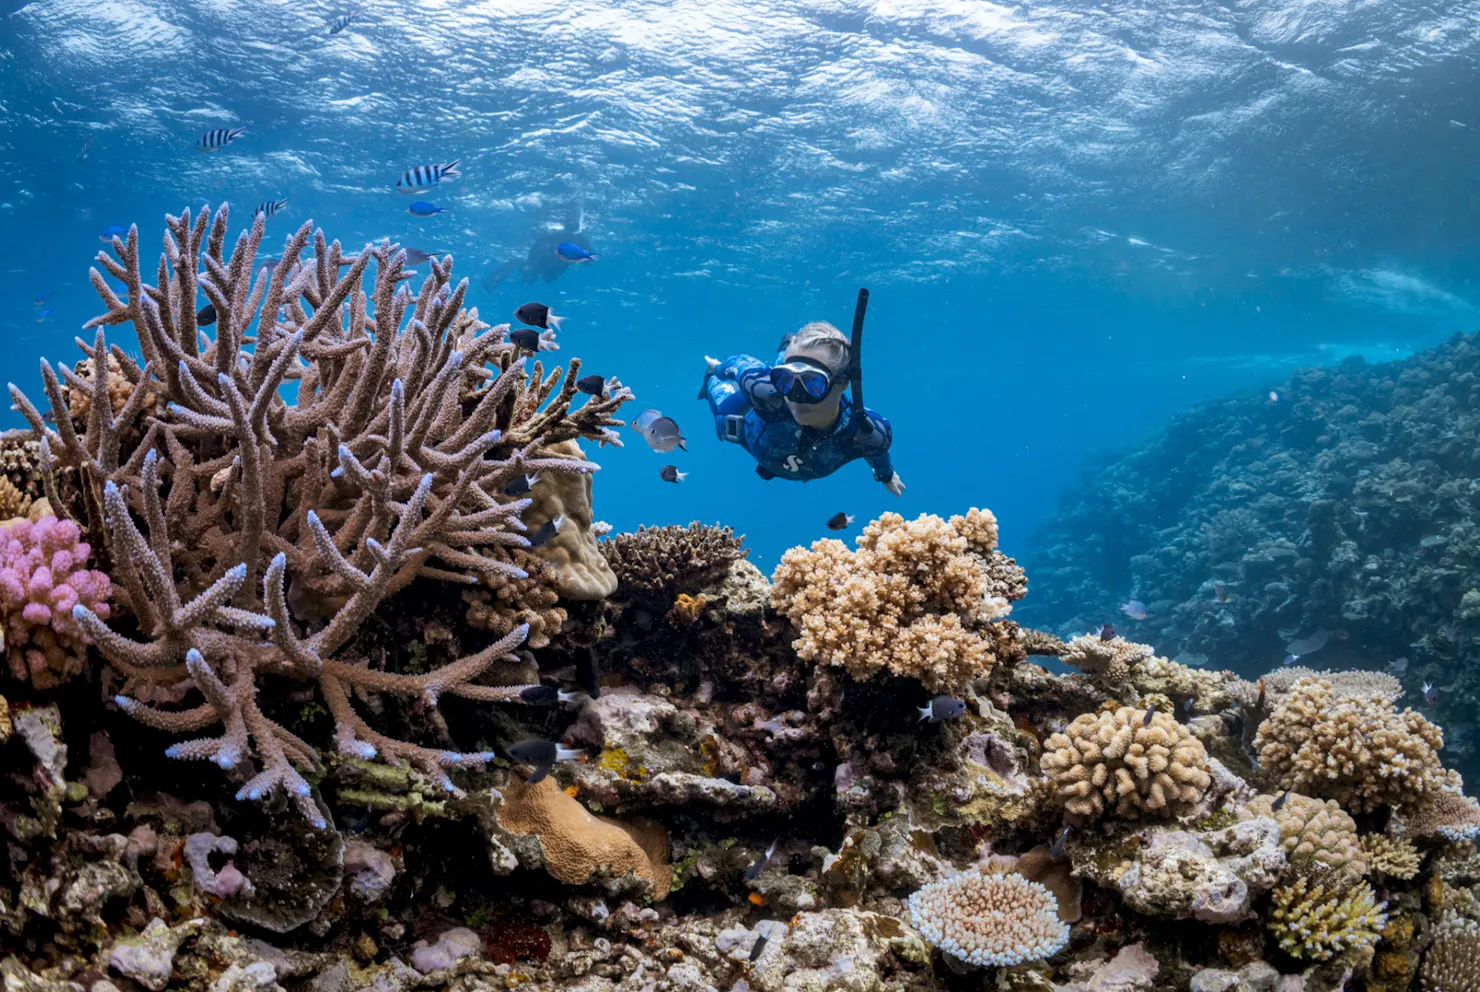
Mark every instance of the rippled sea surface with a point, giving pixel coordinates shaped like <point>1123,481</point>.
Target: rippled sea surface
<point>1074,218</point>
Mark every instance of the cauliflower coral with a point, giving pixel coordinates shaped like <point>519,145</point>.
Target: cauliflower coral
<point>989,919</point>
<point>43,575</point>
<point>1123,761</point>
<point>916,598</point>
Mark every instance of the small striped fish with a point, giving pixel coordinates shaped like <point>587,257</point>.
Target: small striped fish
<point>270,207</point>
<point>424,177</point>
<point>218,139</point>
<point>343,21</point>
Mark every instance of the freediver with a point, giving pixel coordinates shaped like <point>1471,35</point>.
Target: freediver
<point>542,263</point>
<point>792,416</point>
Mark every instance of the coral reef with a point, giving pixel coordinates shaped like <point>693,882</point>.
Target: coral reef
<point>659,561</point>
<point>1393,857</point>
<point>1452,960</point>
<point>1123,762</point>
<point>917,598</point>
<point>989,919</point>
<point>1317,836</point>
<point>1357,749</point>
<point>1317,922</point>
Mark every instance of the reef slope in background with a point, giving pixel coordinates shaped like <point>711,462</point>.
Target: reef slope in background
<point>1345,501</point>
<point>849,776</point>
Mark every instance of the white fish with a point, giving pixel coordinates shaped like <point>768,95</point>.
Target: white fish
<point>424,177</point>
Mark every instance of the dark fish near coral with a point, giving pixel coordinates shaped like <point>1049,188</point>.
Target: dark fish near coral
<point>1107,633</point>
<point>754,871</point>
<point>522,484</point>
<point>548,695</point>
<point>942,708</point>
<point>1057,850</point>
<point>591,385</point>
<point>1431,694</point>
<point>538,315</point>
<point>759,946</point>
<point>547,530</point>
<point>1279,803</point>
<point>670,473</point>
<point>541,755</point>
<point>588,673</point>
<point>206,315</point>
<point>531,340</point>
<point>1187,705</point>
<point>1150,715</point>
<point>839,521</point>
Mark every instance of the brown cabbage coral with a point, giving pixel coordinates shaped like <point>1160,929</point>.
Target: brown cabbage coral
<point>1356,749</point>
<point>987,919</point>
<point>1118,761</point>
<point>1452,961</point>
<point>1113,659</point>
<point>916,599</point>
<point>1317,921</point>
<point>1393,857</point>
<point>1318,837</point>
<point>664,561</point>
<point>1442,814</point>
<point>236,517</point>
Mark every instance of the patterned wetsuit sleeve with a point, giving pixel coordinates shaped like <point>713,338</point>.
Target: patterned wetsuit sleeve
<point>754,378</point>
<point>874,446</point>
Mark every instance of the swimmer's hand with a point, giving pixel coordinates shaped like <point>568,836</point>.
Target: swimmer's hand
<point>894,485</point>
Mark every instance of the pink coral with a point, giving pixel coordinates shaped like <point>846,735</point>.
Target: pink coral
<point>43,575</point>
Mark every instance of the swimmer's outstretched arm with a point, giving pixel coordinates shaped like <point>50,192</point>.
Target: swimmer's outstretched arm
<point>876,452</point>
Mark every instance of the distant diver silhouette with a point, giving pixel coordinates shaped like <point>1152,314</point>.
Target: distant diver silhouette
<point>542,264</point>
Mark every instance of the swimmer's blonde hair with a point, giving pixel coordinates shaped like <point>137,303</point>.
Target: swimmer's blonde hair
<point>824,340</point>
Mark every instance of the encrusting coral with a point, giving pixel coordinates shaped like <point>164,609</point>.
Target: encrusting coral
<point>1112,659</point>
<point>1317,835</point>
<point>985,919</point>
<point>1123,762</point>
<point>1356,749</point>
<point>383,470</point>
<point>665,561</point>
<point>917,598</point>
<point>1316,921</point>
<point>43,578</point>
<point>1452,961</point>
<point>1444,814</point>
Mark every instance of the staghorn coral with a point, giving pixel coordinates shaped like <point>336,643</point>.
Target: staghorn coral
<point>664,561</point>
<point>578,848</point>
<point>917,599</point>
<point>43,577</point>
<point>989,919</point>
<point>1114,660</point>
<point>1394,857</point>
<point>1356,749</point>
<point>1318,837</point>
<point>1117,761</point>
<point>1444,814</point>
<point>383,470</point>
<point>1452,961</point>
<point>1316,922</point>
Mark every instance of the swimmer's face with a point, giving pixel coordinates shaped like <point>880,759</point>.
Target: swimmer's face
<point>825,413</point>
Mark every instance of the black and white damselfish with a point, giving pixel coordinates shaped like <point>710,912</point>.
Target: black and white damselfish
<point>214,141</point>
<point>424,177</point>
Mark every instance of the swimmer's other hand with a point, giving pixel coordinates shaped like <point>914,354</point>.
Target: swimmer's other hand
<point>713,363</point>
<point>894,485</point>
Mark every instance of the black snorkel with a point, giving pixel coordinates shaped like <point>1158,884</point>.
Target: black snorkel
<point>855,366</point>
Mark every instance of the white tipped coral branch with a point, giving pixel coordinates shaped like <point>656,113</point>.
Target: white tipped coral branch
<point>236,516</point>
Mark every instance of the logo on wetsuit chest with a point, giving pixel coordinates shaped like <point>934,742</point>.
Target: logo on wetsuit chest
<point>792,463</point>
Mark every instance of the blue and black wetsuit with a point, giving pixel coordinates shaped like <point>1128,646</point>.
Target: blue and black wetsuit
<point>748,411</point>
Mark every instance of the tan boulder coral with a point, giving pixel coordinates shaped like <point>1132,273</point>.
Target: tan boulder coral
<point>1317,835</point>
<point>1317,921</point>
<point>918,598</point>
<point>579,848</point>
<point>1119,761</point>
<point>1357,749</point>
<point>581,571</point>
<point>1211,876</point>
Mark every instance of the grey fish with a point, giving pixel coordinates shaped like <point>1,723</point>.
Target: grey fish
<point>1057,850</point>
<point>1107,632</point>
<point>547,530</point>
<point>1431,694</point>
<point>941,708</point>
<point>754,871</point>
<point>663,435</point>
<point>541,755</point>
<point>1279,803</point>
<point>1302,646</point>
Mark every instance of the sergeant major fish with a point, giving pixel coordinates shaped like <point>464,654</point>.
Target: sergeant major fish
<point>424,177</point>
<point>214,141</point>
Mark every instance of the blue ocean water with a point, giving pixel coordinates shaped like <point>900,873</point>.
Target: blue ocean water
<point>1074,218</point>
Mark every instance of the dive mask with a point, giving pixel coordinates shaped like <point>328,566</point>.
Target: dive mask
<point>802,380</point>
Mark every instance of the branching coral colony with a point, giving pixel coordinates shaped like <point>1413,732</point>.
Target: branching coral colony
<point>409,419</point>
